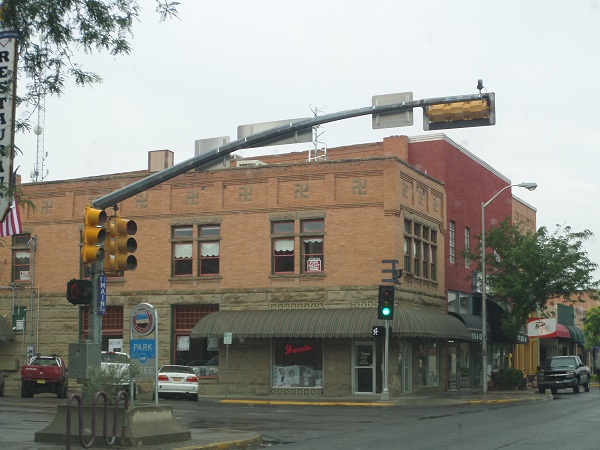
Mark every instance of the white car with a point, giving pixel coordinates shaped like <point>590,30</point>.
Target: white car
<point>177,381</point>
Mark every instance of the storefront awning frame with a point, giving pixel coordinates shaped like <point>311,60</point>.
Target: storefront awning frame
<point>576,334</point>
<point>328,323</point>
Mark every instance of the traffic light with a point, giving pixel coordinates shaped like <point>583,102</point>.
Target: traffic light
<point>385,303</point>
<point>476,113</point>
<point>93,234</point>
<point>79,292</point>
<point>119,245</point>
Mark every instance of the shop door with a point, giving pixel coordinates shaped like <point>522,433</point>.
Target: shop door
<point>364,367</point>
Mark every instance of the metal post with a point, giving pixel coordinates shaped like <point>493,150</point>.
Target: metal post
<point>483,304</point>
<point>385,395</point>
<point>95,320</point>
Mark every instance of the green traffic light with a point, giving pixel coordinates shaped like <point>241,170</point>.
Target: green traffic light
<point>386,311</point>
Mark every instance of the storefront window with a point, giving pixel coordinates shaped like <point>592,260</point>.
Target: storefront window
<point>297,363</point>
<point>429,374</point>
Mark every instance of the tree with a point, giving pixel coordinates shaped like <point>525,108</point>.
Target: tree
<point>51,31</point>
<point>591,328</point>
<point>527,270</point>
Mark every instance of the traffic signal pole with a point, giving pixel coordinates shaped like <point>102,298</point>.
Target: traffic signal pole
<point>255,140</point>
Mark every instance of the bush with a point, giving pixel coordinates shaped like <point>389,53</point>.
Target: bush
<point>510,378</point>
<point>109,381</point>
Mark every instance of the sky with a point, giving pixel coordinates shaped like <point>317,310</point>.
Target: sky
<point>236,62</point>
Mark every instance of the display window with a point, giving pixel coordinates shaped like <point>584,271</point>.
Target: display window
<point>297,363</point>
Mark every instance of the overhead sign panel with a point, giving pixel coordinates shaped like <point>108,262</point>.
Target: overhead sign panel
<point>395,118</point>
<point>295,137</point>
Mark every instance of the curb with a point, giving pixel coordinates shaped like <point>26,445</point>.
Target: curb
<point>302,403</point>
<point>239,443</point>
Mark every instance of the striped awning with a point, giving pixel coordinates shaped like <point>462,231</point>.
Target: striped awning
<point>328,323</point>
<point>6,331</point>
<point>576,334</point>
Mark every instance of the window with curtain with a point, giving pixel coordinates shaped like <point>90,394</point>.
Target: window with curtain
<point>210,249</point>
<point>21,258</point>
<point>283,247</point>
<point>182,249</point>
<point>312,246</point>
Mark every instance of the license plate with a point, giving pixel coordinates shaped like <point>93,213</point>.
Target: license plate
<point>41,381</point>
<point>177,379</point>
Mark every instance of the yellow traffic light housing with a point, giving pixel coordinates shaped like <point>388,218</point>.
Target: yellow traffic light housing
<point>119,245</point>
<point>475,113</point>
<point>93,234</point>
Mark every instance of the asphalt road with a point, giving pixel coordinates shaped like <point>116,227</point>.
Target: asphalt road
<point>569,421</point>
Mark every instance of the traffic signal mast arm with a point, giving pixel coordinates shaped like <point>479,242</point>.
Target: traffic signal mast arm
<point>255,140</point>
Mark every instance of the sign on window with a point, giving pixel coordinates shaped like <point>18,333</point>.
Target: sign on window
<point>313,265</point>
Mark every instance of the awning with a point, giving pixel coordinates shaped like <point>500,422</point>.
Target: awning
<point>576,334</point>
<point>328,323</point>
<point>473,323</point>
<point>561,333</point>
<point>6,331</point>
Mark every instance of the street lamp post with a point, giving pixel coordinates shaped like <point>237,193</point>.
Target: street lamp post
<point>531,187</point>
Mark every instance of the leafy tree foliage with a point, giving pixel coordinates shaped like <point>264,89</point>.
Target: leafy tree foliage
<point>591,328</point>
<point>50,33</point>
<point>526,270</point>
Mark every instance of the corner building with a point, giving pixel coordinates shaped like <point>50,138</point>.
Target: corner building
<point>286,256</point>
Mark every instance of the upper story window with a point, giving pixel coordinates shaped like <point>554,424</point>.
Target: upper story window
<point>21,258</point>
<point>312,245</point>
<point>452,243</point>
<point>467,246</point>
<point>311,240</point>
<point>420,250</point>
<point>210,249</point>
<point>283,246</point>
<point>182,242</point>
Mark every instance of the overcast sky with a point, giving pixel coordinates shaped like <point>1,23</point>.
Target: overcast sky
<point>230,63</point>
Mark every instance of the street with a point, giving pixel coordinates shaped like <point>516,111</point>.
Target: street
<point>569,421</point>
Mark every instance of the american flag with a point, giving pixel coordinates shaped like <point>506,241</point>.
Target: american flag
<point>12,222</point>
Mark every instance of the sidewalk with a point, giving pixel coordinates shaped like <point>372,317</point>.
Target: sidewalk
<point>223,438</point>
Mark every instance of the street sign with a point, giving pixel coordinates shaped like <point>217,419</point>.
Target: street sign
<point>102,295</point>
<point>143,319</point>
<point>395,118</point>
<point>143,353</point>
<point>227,337</point>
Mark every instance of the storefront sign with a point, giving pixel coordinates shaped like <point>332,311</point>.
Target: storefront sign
<point>541,327</point>
<point>290,349</point>
<point>8,72</point>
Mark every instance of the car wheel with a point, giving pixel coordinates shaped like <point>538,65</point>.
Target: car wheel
<point>2,390</point>
<point>576,389</point>
<point>25,392</point>
<point>542,390</point>
<point>586,386</point>
<point>554,391</point>
<point>62,391</point>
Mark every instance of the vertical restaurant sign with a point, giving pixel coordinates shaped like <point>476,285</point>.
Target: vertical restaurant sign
<point>8,72</point>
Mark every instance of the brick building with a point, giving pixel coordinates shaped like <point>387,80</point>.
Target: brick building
<point>285,255</point>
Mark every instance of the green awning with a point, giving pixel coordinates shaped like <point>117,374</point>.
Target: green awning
<point>576,334</point>
<point>6,331</point>
<point>328,323</point>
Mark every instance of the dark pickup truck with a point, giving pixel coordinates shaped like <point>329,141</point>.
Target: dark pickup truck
<point>44,374</point>
<point>561,372</point>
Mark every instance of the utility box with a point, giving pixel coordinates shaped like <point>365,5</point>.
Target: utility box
<point>83,356</point>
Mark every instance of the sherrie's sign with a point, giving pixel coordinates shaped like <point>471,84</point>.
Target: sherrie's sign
<point>8,85</point>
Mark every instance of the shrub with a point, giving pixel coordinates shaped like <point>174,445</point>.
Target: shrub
<point>509,379</point>
<point>109,381</point>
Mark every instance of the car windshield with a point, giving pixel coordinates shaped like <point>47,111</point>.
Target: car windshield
<point>115,358</point>
<point>556,363</point>
<point>176,369</point>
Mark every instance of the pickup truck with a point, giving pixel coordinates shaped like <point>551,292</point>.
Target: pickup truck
<point>560,372</point>
<point>44,374</point>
